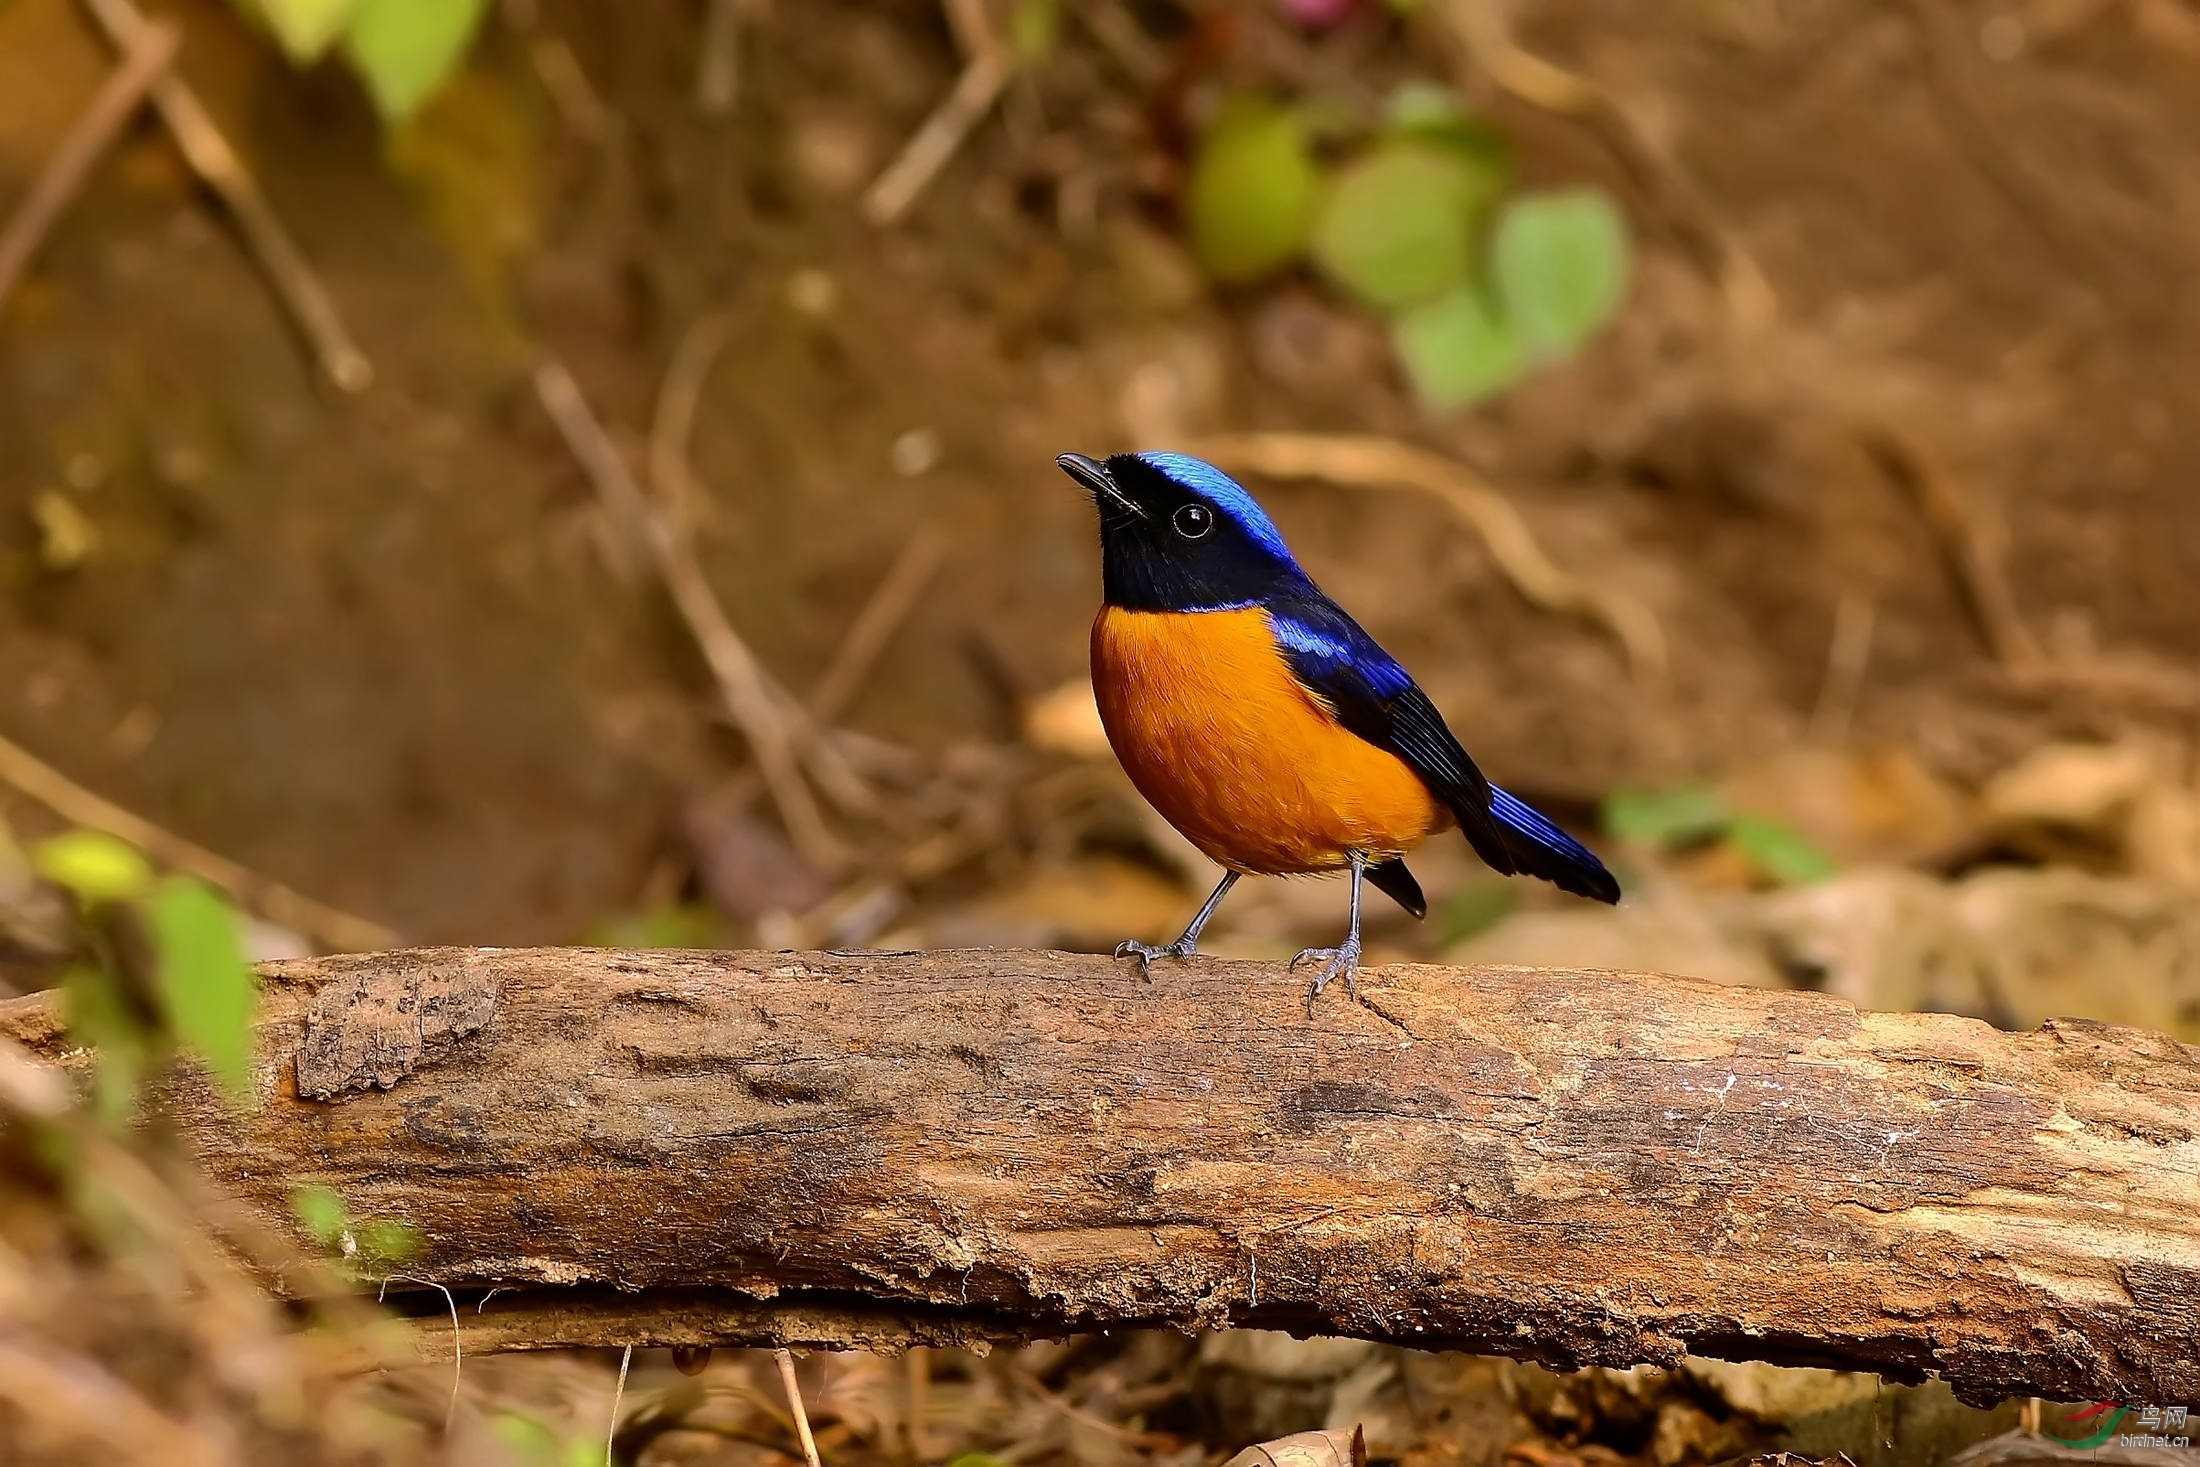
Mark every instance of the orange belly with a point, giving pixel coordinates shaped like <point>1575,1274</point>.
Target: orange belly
<point>1220,738</point>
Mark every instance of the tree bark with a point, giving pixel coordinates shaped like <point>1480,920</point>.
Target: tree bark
<point>1578,1168</point>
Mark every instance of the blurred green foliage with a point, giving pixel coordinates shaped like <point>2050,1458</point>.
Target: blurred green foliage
<point>93,866</point>
<point>159,966</point>
<point>676,925</point>
<point>1779,851</point>
<point>1474,909</point>
<point>1252,192</point>
<point>323,1217</point>
<point>1560,264</point>
<point>402,49</point>
<point>1033,28</point>
<point>1416,225</point>
<point>538,1443</point>
<point>1397,225</point>
<point>1693,814</point>
<point>1676,815</point>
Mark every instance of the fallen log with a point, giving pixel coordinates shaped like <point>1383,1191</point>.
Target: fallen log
<point>878,1149</point>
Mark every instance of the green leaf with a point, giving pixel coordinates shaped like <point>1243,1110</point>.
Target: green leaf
<point>526,1438</point>
<point>321,1214</point>
<point>1676,815</point>
<point>683,924</point>
<point>205,986</point>
<point>1252,192</point>
<point>1560,261</point>
<point>96,866</point>
<point>385,1241</point>
<point>1419,105</point>
<point>1456,350</point>
<point>99,1015</point>
<point>1474,909</point>
<point>1398,225</point>
<point>1780,851</point>
<point>975,1459</point>
<point>1033,28</point>
<point>404,49</point>
<point>304,28</point>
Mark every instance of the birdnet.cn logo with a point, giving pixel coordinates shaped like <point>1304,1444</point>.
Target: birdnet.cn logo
<point>2105,1423</point>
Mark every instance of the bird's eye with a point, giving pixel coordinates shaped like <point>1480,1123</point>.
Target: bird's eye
<point>1194,521</point>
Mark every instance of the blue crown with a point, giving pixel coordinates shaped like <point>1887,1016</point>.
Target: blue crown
<point>1226,494</point>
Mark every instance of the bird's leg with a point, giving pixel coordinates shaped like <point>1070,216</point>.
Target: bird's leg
<point>1186,945</point>
<point>1345,958</point>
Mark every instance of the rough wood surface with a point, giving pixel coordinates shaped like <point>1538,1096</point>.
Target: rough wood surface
<point>875,1149</point>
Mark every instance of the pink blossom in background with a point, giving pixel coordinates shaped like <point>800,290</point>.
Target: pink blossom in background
<point>1318,15</point>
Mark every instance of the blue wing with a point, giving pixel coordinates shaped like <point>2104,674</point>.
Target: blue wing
<point>1334,658</point>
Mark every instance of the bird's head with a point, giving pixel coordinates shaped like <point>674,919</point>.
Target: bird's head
<point>1178,534</point>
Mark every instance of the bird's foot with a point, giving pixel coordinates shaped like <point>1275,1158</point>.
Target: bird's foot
<point>1337,962</point>
<point>1146,952</point>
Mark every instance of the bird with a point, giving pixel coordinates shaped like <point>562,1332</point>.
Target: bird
<point>1265,724</point>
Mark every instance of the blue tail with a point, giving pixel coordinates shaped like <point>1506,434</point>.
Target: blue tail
<point>1540,848</point>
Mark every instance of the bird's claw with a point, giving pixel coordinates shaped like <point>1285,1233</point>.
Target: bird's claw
<point>1342,961</point>
<point>1146,952</point>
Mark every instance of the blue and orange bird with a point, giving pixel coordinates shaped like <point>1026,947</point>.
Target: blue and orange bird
<point>1264,723</point>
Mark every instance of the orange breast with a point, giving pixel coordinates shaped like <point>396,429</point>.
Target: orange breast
<point>1221,739</point>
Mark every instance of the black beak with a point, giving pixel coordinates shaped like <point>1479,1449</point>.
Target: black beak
<point>1094,475</point>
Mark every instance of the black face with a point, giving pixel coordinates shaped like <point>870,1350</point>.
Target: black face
<point>1168,545</point>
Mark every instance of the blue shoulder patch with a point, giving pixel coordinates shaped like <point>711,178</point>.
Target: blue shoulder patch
<point>1226,494</point>
<point>1331,646</point>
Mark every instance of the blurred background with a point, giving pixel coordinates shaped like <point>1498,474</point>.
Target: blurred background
<point>546,472</point>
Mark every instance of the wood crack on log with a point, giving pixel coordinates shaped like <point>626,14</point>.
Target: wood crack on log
<point>877,1150</point>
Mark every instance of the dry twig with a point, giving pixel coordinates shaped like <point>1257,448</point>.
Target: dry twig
<point>718,67</point>
<point>70,1398</point>
<point>758,708</point>
<point>326,925</point>
<point>681,501</point>
<point>570,90</point>
<point>1847,655</point>
<point>1385,463</point>
<point>1972,537</point>
<point>1145,1441</point>
<point>218,167</point>
<point>143,62</point>
<point>987,67</point>
<point>876,624</point>
<point>672,427</point>
<point>785,1361</point>
<point>611,1432</point>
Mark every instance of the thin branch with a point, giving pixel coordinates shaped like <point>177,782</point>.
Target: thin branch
<point>718,66</point>
<point>570,91</point>
<point>458,1344</point>
<point>876,624</point>
<point>755,705</point>
<point>987,67</point>
<point>672,426</point>
<point>1972,537</point>
<point>328,926</point>
<point>1847,655</point>
<point>681,497</point>
<point>1145,1441</point>
<point>218,167</point>
<point>143,61</point>
<point>1385,463</point>
<point>785,1362</point>
<point>611,1433</point>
